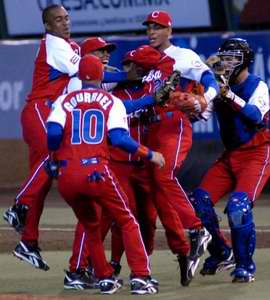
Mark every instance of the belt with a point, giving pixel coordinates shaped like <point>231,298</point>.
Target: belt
<point>159,117</point>
<point>84,161</point>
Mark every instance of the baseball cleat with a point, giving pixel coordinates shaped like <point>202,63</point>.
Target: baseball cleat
<point>31,255</point>
<point>143,286</point>
<point>110,286</point>
<point>15,216</point>
<point>79,280</point>
<point>199,240</point>
<point>188,267</point>
<point>212,264</point>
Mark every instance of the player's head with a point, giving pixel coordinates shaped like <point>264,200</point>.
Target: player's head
<point>235,55</point>
<point>159,29</point>
<point>141,60</point>
<point>98,47</point>
<point>91,69</point>
<point>56,21</point>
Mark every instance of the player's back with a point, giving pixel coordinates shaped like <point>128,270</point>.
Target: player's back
<point>86,124</point>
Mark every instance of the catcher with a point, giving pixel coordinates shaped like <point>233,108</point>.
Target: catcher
<point>243,168</point>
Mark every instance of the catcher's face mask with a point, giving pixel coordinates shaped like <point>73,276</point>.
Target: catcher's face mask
<point>232,63</point>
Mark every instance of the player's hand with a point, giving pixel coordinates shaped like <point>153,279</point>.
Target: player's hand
<point>215,64</point>
<point>224,89</point>
<point>158,159</point>
<point>52,168</point>
<point>169,85</point>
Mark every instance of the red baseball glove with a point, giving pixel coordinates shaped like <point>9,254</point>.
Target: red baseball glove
<point>188,103</point>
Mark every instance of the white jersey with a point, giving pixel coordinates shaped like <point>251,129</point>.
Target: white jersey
<point>112,105</point>
<point>187,62</point>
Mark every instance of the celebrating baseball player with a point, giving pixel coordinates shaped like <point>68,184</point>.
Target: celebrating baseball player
<point>242,170</point>
<point>78,128</point>
<point>170,132</point>
<point>57,60</point>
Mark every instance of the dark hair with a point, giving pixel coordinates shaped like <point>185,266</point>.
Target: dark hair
<point>46,12</point>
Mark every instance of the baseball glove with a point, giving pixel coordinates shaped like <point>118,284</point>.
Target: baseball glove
<point>188,103</point>
<point>169,85</point>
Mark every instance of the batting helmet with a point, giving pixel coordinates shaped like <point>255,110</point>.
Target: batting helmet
<point>239,50</point>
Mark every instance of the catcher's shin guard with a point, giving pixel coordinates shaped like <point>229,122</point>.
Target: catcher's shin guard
<point>243,234</point>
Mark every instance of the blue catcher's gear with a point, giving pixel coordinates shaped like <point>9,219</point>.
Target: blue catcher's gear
<point>203,206</point>
<point>243,234</point>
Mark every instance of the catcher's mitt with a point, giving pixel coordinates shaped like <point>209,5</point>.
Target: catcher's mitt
<point>188,103</point>
<point>169,85</point>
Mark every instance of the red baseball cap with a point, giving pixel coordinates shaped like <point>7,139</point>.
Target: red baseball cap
<point>95,43</point>
<point>90,68</point>
<point>145,56</point>
<point>160,17</point>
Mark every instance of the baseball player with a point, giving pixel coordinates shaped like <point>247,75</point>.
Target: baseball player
<point>129,170</point>
<point>80,275</point>
<point>57,60</point>
<point>78,128</point>
<point>170,132</point>
<point>242,170</point>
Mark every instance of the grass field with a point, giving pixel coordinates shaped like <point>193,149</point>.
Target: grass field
<point>18,278</point>
<point>20,281</point>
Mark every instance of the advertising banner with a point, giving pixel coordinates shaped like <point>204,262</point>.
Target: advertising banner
<point>104,15</point>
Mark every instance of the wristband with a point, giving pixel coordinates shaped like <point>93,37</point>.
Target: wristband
<point>236,99</point>
<point>144,152</point>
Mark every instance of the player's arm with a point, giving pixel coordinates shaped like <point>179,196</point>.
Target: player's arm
<point>61,56</point>
<point>256,107</point>
<point>114,77</point>
<point>55,124</point>
<point>141,103</point>
<point>118,77</point>
<point>55,129</point>
<point>210,85</point>
<point>120,137</point>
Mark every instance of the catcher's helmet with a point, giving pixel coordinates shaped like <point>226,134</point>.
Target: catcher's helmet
<point>238,49</point>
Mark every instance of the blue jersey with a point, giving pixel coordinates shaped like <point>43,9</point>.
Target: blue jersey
<point>236,129</point>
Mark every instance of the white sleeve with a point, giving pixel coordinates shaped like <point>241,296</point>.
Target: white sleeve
<point>108,86</point>
<point>189,64</point>
<point>260,98</point>
<point>61,56</point>
<point>74,84</point>
<point>208,111</point>
<point>57,114</point>
<point>117,115</point>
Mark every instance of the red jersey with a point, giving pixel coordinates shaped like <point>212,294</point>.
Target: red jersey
<point>57,60</point>
<point>136,126</point>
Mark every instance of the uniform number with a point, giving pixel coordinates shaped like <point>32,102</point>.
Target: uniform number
<point>87,126</point>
